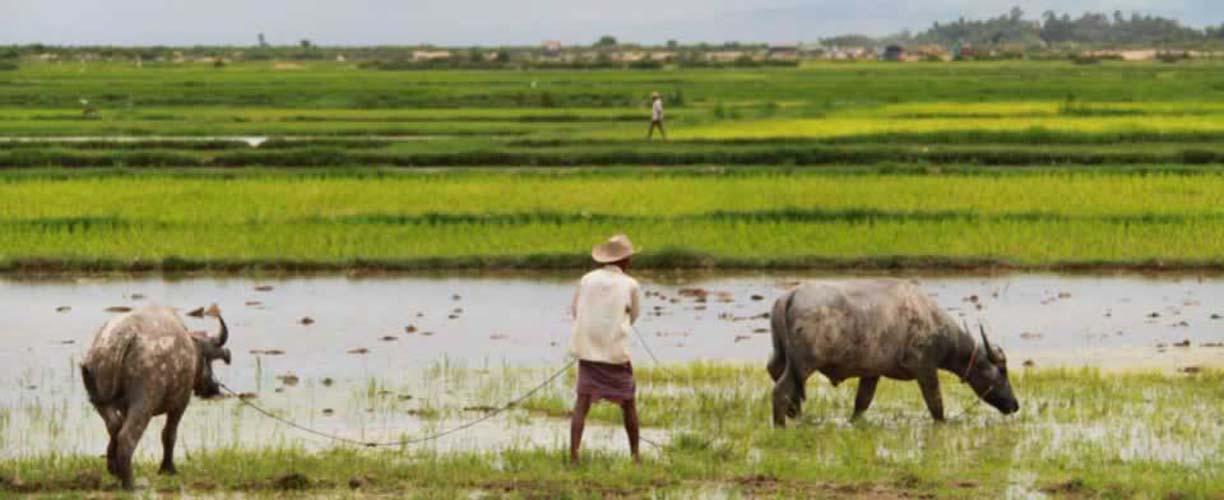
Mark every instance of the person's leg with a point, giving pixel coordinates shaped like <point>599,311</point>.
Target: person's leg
<point>629,412</point>
<point>582,405</point>
<point>650,131</point>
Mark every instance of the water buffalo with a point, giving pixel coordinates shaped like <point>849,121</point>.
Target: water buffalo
<point>143,364</point>
<point>873,328</point>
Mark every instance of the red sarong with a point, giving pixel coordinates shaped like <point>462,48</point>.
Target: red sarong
<point>613,382</point>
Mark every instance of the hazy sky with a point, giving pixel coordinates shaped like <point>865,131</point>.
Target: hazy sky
<point>488,22</point>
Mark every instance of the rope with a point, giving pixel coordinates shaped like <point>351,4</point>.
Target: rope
<point>657,364</point>
<point>438,435</point>
<point>642,340</point>
<point>402,442</point>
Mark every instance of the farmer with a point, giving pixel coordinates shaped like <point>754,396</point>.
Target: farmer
<point>604,308</point>
<point>656,116</point>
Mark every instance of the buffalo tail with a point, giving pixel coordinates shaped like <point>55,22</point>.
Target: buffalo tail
<point>781,331</point>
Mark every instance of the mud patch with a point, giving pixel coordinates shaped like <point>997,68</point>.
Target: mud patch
<point>1073,486</point>
<point>761,485</point>
<point>292,482</point>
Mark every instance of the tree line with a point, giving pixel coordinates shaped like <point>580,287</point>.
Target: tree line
<point>1051,29</point>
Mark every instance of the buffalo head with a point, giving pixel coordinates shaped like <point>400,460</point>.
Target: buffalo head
<point>210,349</point>
<point>987,375</point>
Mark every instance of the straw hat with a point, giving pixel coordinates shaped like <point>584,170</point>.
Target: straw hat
<point>654,95</point>
<point>617,248</point>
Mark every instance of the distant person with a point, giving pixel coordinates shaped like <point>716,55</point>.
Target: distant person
<point>604,308</point>
<point>656,116</point>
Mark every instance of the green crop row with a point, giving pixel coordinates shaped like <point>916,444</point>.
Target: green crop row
<point>766,219</point>
<point>343,85</point>
<point>289,154</point>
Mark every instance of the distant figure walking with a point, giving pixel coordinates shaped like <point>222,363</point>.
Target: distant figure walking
<point>605,306</point>
<point>656,116</point>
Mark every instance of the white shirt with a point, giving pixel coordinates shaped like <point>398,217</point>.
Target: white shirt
<point>605,307</point>
<point>656,111</point>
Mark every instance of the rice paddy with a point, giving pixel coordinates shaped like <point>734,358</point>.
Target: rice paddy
<point>329,166</point>
<point>342,115</point>
<point>764,218</point>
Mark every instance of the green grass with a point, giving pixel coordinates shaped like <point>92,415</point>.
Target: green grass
<point>322,85</point>
<point>1079,432</point>
<point>738,218</point>
<point>1024,164</point>
<point>1005,113</point>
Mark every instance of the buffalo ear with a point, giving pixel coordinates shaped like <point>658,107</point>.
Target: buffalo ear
<point>225,356</point>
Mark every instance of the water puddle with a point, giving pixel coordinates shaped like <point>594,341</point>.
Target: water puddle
<point>395,357</point>
<point>252,141</point>
<point>249,140</point>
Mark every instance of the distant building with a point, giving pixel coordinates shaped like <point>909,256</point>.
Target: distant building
<point>893,53</point>
<point>849,53</point>
<point>725,56</point>
<point>628,56</point>
<point>552,47</point>
<point>783,52</point>
<point>430,55</point>
<point>662,56</point>
<point>927,52</point>
<point>1125,55</point>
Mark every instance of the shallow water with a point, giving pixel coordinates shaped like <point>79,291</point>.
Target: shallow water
<point>250,140</point>
<point>253,141</point>
<point>471,329</point>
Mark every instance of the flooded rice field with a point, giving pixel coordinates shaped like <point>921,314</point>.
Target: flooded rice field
<point>385,358</point>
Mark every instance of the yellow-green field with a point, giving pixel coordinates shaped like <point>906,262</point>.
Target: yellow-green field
<point>761,218</point>
<point>335,166</point>
<point>314,165</point>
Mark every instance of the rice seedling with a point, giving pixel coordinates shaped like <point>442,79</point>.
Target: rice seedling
<point>762,219</point>
<point>474,114</point>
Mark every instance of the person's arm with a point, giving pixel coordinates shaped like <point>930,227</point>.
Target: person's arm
<point>574,304</point>
<point>634,303</point>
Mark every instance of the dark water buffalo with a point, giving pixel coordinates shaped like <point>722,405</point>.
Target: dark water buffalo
<point>143,364</point>
<point>871,329</point>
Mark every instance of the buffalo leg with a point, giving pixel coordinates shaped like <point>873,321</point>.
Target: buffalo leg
<point>169,434</point>
<point>114,422</point>
<point>929,382</point>
<point>133,427</point>
<point>866,392</point>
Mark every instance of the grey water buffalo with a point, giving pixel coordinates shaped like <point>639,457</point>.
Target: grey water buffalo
<point>143,364</point>
<point>871,329</point>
